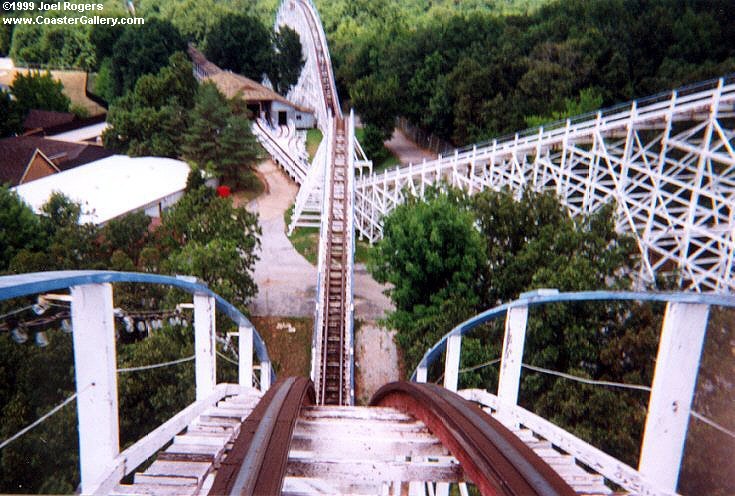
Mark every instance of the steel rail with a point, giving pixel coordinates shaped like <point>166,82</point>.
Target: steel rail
<point>495,459</point>
<point>333,381</point>
<point>259,456</point>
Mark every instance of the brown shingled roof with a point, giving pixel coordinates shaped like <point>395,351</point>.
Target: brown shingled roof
<point>200,60</point>
<point>44,119</point>
<point>16,153</point>
<point>234,85</point>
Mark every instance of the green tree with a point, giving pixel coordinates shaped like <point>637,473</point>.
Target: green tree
<point>39,91</point>
<point>288,60</point>
<point>588,100</point>
<point>376,100</point>
<point>143,50</point>
<point>143,408</point>
<point>206,236</point>
<point>13,120</point>
<point>242,44</point>
<point>218,138</point>
<point>57,45</point>
<point>431,254</point>
<point>19,227</point>
<point>128,234</point>
<point>6,34</point>
<point>151,119</point>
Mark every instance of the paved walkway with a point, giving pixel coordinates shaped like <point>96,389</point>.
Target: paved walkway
<point>286,280</point>
<point>406,150</point>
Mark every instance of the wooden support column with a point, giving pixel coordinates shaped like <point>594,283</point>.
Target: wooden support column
<point>512,359</point>
<point>451,361</point>
<point>95,368</point>
<point>265,376</point>
<point>204,346</point>
<point>672,392</point>
<point>421,372</point>
<point>245,356</point>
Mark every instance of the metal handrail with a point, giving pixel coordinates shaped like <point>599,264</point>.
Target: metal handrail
<point>536,298</point>
<point>15,286</point>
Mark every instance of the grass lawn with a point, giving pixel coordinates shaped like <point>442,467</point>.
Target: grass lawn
<point>390,162</point>
<point>305,240</point>
<point>313,138</point>
<point>361,250</point>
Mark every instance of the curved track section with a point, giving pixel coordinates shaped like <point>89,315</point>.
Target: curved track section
<point>491,455</point>
<point>257,462</point>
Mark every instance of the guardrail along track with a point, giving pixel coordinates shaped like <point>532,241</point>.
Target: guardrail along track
<point>334,384</point>
<point>494,458</point>
<point>257,461</point>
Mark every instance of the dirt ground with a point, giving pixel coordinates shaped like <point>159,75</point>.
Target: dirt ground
<point>288,340</point>
<point>376,360</point>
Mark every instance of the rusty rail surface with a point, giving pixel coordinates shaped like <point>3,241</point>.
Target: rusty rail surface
<point>494,459</point>
<point>257,462</point>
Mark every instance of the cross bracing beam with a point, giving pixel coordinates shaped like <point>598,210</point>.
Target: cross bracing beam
<point>667,163</point>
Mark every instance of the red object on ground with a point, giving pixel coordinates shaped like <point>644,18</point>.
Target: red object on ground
<point>223,191</point>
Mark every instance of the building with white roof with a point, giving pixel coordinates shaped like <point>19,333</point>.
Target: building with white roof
<point>114,186</point>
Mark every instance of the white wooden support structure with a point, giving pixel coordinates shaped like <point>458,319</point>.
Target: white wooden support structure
<point>512,360</point>
<point>265,376</point>
<point>667,165</point>
<point>421,372</point>
<point>96,381</point>
<point>245,356</point>
<point>674,379</point>
<point>204,345</point>
<point>451,361</point>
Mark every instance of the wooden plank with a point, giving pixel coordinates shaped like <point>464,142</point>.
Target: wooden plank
<point>369,447</point>
<point>165,480</point>
<point>302,486</point>
<point>356,413</point>
<point>365,472</point>
<point>195,449</point>
<point>210,440</point>
<point>594,458</point>
<point>349,427</point>
<point>153,489</point>
<point>195,470</point>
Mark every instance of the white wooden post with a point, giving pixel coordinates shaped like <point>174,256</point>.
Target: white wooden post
<point>421,372</point>
<point>512,359</point>
<point>451,361</point>
<point>674,379</point>
<point>245,356</point>
<point>204,347</point>
<point>265,376</point>
<point>95,368</point>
